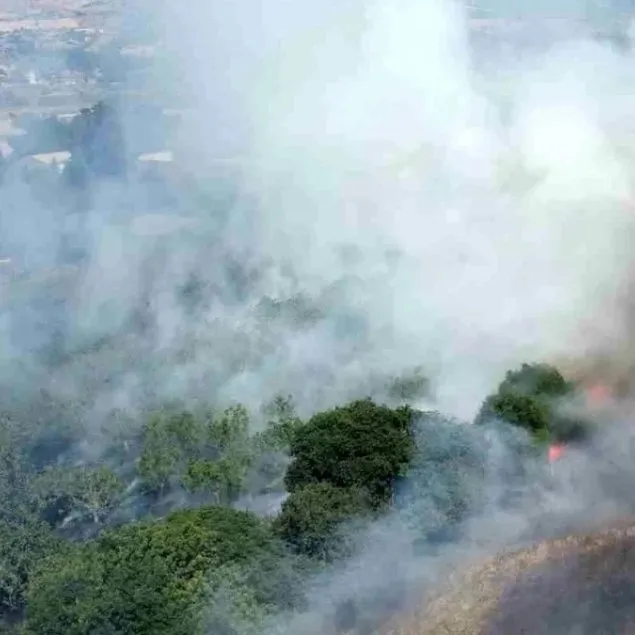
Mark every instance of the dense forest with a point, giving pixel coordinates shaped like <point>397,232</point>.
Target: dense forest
<point>154,535</point>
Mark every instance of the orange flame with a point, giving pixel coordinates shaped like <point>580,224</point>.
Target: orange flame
<point>555,452</point>
<point>598,394</point>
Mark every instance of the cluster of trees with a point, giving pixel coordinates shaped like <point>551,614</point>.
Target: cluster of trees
<point>149,538</point>
<point>92,547</point>
<point>536,397</point>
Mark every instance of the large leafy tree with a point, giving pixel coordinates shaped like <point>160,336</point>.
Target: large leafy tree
<point>445,482</point>
<point>316,520</point>
<point>362,445</point>
<point>272,444</point>
<point>200,451</point>
<point>146,578</point>
<point>532,398</point>
<point>13,472</point>
<point>282,424</point>
<point>84,493</point>
<point>23,547</point>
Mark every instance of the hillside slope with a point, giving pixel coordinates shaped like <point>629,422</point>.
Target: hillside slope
<point>582,585</point>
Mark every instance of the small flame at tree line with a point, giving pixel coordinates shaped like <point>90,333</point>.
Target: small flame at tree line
<point>597,394</point>
<point>556,450</point>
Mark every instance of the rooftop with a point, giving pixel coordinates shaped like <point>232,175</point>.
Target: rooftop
<point>164,156</point>
<point>49,158</point>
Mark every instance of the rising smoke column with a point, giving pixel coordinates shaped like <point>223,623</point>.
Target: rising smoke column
<point>463,218</point>
<point>459,217</point>
<point>486,208</point>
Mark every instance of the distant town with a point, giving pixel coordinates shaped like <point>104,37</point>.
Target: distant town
<point>58,58</point>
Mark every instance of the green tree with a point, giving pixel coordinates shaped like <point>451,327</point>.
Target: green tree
<point>144,578</point>
<point>13,472</point>
<point>85,491</point>
<point>169,438</point>
<point>317,520</point>
<point>536,379</point>
<point>525,411</point>
<point>409,386</point>
<point>69,594</point>
<point>33,436</point>
<point>224,456</point>
<point>282,424</point>
<point>361,445</point>
<point>239,598</point>
<point>200,451</point>
<point>230,605</point>
<point>533,398</point>
<point>446,477</point>
<point>23,546</point>
<point>270,446</point>
<point>222,479</point>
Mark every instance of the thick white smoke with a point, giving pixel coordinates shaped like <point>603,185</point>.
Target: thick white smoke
<point>463,209</point>
<point>458,208</point>
<point>474,204</point>
<point>487,204</point>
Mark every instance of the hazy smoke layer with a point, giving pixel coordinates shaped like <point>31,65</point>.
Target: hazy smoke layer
<point>476,214</point>
<point>469,198</point>
<point>412,194</point>
<point>364,187</point>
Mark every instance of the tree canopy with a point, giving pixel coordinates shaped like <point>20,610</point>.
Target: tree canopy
<point>534,397</point>
<point>316,520</point>
<point>146,577</point>
<point>361,445</point>
<point>148,537</point>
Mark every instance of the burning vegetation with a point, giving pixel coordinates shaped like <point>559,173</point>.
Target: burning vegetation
<point>580,582</point>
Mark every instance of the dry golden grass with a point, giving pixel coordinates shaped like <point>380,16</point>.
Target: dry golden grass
<point>582,583</point>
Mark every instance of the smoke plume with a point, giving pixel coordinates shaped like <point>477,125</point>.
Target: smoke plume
<point>468,198</point>
<point>364,188</point>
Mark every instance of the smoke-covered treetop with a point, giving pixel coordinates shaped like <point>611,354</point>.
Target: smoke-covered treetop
<point>167,529</point>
